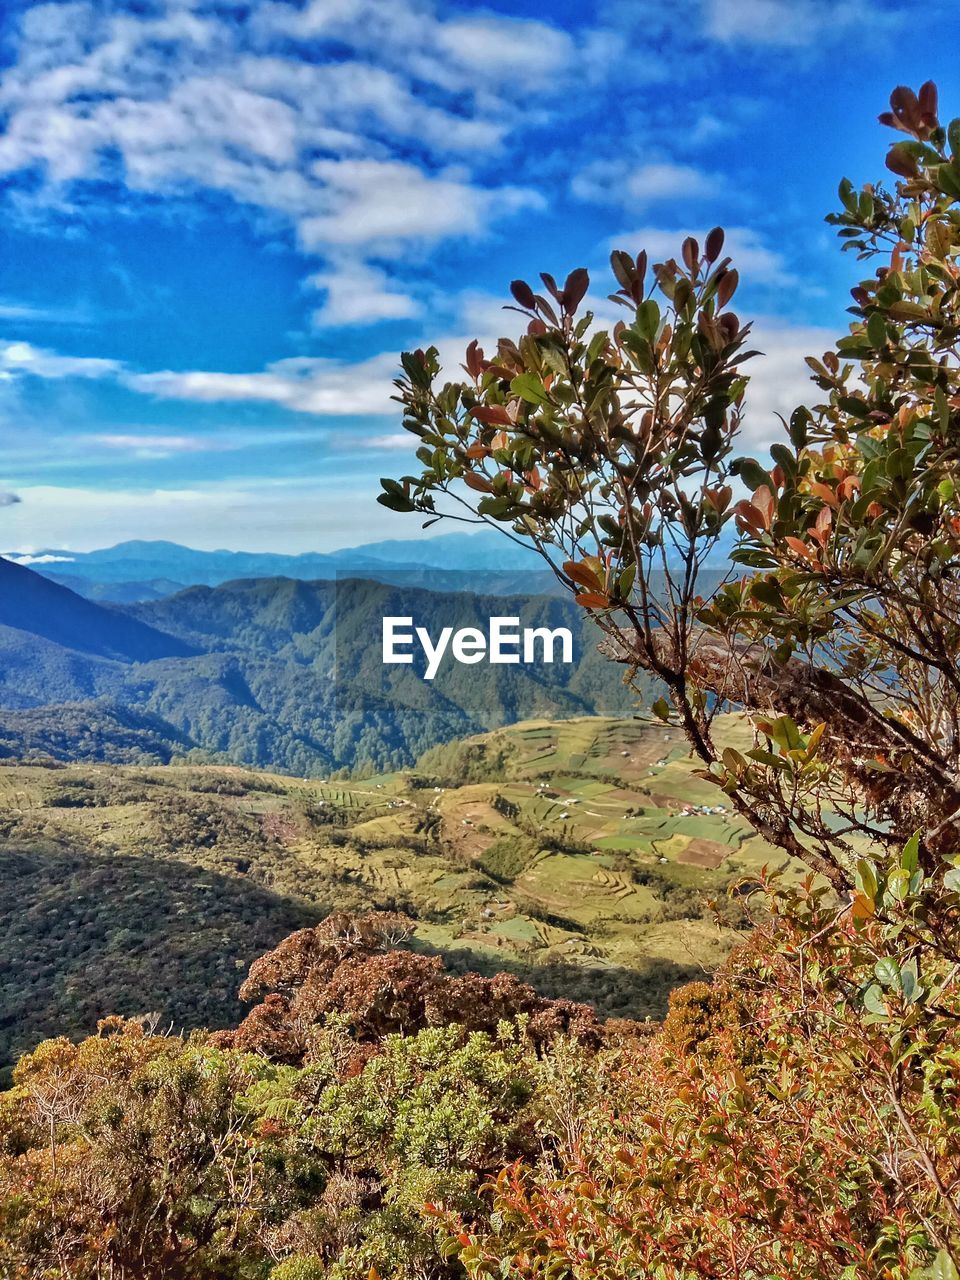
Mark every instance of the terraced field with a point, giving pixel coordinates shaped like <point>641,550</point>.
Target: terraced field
<point>579,854</point>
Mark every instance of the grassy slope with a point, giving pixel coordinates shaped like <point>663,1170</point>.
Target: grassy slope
<point>564,855</point>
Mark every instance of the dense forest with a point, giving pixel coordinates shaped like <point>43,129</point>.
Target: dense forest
<point>267,672</point>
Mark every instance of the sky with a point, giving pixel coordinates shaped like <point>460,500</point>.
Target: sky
<point>221,223</point>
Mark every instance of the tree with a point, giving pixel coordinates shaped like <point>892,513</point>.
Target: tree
<point>133,1155</point>
<point>613,454</point>
<point>348,969</point>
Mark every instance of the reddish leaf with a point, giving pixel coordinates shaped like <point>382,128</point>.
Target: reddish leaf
<point>492,415</point>
<point>583,575</point>
<point>714,244</point>
<point>727,287</point>
<point>523,294</point>
<point>474,360</point>
<point>750,516</point>
<point>799,547</point>
<point>928,104</point>
<point>577,284</point>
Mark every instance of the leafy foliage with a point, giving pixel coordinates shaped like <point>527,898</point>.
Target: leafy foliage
<point>138,1154</point>
<point>352,968</point>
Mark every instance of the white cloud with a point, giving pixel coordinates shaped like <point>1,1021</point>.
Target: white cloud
<point>785,22</point>
<point>506,48</point>
<point>383,203</point>
<point>149,447</point>
<point>359,294</point>
<point>27,558</point>
<point>22,357</point>
<point>779,379</point>
<point>396,440</point>
<point>178,444</point>
<point>32,314</point>
<point>507,52</point>
<point>638,185</point>
<point>351,151</point>
<point>279,516</point>
<point>325,387</point>
<point>308,385</point>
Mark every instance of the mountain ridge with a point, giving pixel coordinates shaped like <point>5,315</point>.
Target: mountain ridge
<point>139,570</point>
<point>279,672</point>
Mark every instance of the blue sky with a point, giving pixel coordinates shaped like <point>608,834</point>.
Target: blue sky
<point>221,222</point>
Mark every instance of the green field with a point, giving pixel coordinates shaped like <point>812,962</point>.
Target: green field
<point>565,852</point>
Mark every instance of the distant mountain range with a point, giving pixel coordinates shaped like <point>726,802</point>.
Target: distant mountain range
<point>270,671</point>
<point>484,562</point>
<point>136,571</point>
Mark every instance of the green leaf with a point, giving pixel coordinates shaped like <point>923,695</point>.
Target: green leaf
<point>873,1000</point>
<point>784,458</point>
<point>943,409</point>
<point>626,580</point>
<point>753,475</point>
<point>530,388</point>
<point>733,759</point>
<point>911,853</point>
<point>799,422</point>
<point>661,709</point>
<point>866,879</point>
<point>909,981</point>
<point>877,330</point>
<point>394,503</point>
<point>648,319</point>
<point>786,735</point>
<point>943,1267</point>
<point>767,591</point>
<point>416,370</point>
<point>394,496</point>
<point>888,972</point>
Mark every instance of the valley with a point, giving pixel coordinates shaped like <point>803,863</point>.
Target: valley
<point>582,855</point>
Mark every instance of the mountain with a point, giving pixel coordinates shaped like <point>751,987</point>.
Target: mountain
<point>150,563</point>
<point>485,562</point>
<point>32,603</point>
<point>118,592</point>
<point>272,671</point>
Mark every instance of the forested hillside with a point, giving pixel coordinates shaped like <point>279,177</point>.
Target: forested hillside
<point>272,672</point>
